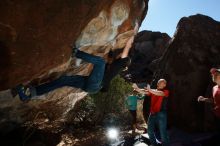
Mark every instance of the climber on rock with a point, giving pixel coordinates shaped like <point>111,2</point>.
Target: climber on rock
<point>121,61</point>
<point>91,83</point>
<point>113,68</point>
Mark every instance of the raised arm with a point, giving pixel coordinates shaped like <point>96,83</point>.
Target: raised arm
<point>155,92</point>
<point>204,99</point>
<point>127,47</point>
<point>129,42</point>
<point>141,91</point>
<point>136,27</point>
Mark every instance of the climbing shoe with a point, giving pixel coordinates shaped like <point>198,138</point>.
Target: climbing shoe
<point>24,93</point>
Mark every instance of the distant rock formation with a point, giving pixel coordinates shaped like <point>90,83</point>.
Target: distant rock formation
<point>194,49</point>
<point>147,49</point>
<point>36,39</point>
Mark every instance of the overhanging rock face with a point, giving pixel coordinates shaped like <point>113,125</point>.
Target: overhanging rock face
<point>35,46</point>
<point>36,37</point>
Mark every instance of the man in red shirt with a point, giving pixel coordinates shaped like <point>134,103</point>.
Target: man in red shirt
<point>215,92</point>
<point>158,112</point>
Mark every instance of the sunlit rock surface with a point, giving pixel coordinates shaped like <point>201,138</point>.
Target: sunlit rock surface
<point>36,38</point>
<point>194,49</point>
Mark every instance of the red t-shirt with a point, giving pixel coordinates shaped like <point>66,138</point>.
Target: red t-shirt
<point>156,102</point>
<point>216,96</point>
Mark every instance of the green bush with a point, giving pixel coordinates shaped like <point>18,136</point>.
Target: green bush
<point>83,114</point>
<point>112,101</point>
<point>96,108</point>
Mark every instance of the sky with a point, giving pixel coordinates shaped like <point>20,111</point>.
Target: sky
<point>163,15</point>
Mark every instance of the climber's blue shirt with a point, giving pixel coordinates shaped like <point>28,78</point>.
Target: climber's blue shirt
<point>132,101</point>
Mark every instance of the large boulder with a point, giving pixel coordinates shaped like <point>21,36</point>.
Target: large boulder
<point>194,49</point>
<point>36,38</point>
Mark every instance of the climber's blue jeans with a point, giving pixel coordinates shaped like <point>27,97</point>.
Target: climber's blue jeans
<point>159,119</point>
<point>91,83</point>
